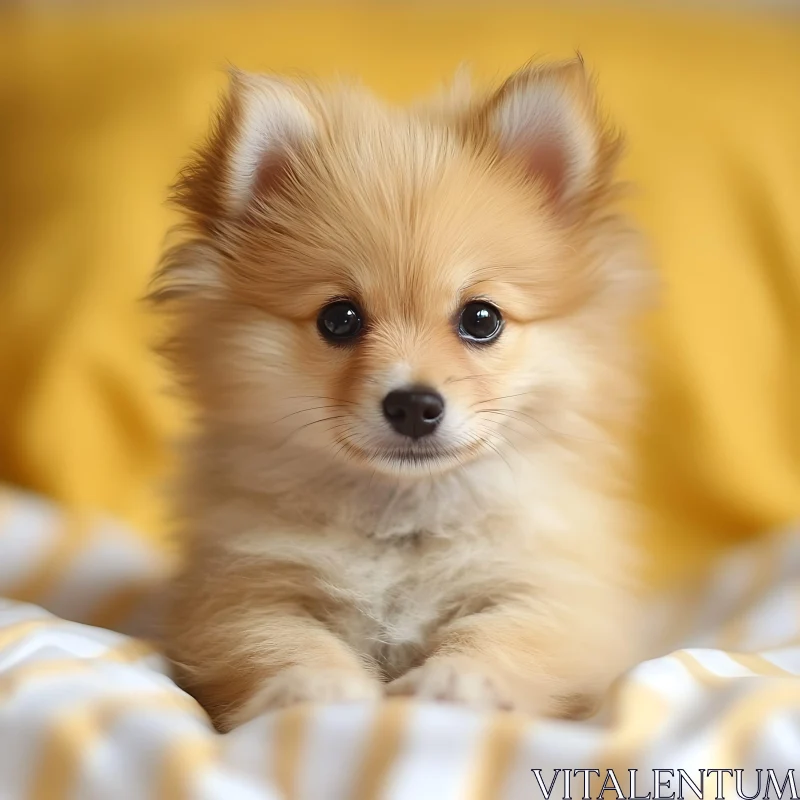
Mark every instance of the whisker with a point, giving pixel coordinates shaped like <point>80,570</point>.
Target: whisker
<point>303,410</point>
<point>512,411</point>
<point>504,397</point>
<point>553,430</point>
<point>321,397</point>
<point>506,439</point>
<point>342,440</point>
<point>504,413</point>
<point>308,425</point>
<point>492,446</point>
<point>467,378</point>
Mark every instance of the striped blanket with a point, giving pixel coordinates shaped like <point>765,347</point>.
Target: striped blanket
<point>90,713</point>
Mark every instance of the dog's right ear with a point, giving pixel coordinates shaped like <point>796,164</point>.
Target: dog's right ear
<point>261,119</point>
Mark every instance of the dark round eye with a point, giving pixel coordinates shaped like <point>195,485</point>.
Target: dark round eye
<point>339,321</point>
<point>480,322</point>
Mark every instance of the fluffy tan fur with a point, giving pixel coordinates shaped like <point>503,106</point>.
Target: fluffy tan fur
<point>325,559</point>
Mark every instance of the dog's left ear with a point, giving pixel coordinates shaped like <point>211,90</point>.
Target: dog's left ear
<point>547,119</point>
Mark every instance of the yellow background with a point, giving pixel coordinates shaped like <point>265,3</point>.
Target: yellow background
<point>99,111</point>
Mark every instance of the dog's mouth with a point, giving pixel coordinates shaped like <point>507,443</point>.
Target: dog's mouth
<point>428,456</point>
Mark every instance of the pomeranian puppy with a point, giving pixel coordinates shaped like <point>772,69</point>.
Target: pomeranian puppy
<point>407,336</point>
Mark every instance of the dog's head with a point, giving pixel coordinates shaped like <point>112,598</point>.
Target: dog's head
<point>402,290</point>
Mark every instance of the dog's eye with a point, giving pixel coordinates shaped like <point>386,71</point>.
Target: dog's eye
<point>339,321</point>
<point>480,322</point>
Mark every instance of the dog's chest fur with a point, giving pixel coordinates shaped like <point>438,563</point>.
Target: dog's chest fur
<point>392,596</point>
<point>392,574</point>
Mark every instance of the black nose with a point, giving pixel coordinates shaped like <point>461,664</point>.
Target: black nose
<point>414,412</point>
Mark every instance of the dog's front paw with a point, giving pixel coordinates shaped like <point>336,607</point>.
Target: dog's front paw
<point>457,679</point>
<point>296,685</point>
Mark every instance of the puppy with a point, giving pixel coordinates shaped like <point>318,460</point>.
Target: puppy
<point>407,337</point>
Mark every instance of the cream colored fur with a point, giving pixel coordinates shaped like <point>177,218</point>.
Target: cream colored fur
<point>490,567</point>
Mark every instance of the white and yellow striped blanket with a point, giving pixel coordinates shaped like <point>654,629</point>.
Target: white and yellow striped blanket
<point>88,713</point>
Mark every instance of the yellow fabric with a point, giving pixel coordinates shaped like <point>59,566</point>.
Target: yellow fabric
<point>99,110</point>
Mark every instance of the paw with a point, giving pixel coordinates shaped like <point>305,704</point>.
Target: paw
<point>296,685</point>
<point>456,679</point>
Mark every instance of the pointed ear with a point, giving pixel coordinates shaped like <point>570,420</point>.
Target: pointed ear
<point>547,118</point>
<point>261,119</point>
<point>270,118</point>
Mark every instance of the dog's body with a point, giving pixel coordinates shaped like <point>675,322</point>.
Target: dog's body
<point>459,260</point>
